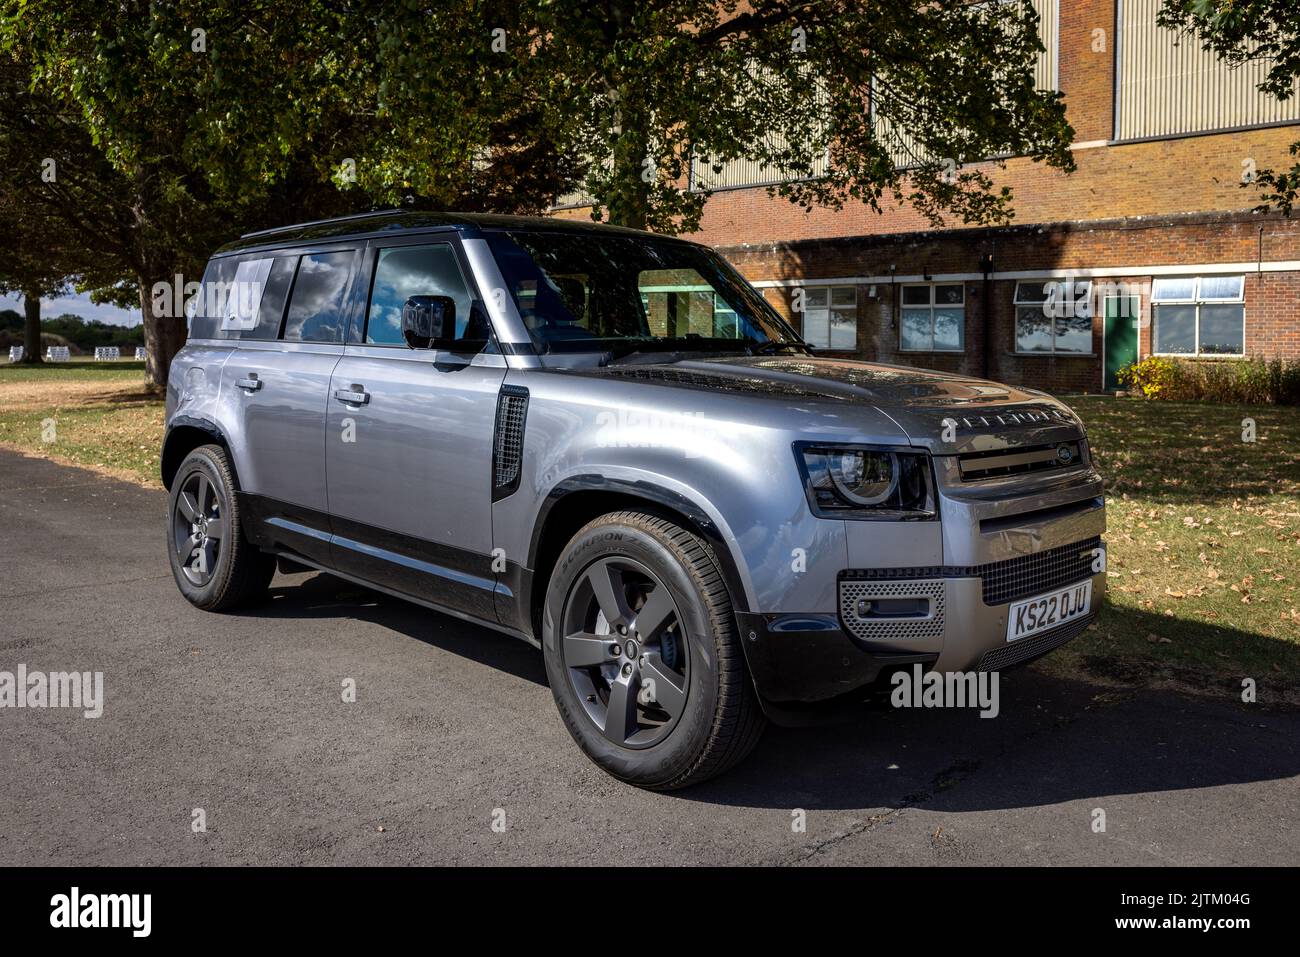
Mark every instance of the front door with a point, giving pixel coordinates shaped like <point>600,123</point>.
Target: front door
<point>1120,336</point>
<point>409,440</point>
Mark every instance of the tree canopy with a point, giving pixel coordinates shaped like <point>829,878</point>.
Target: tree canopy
<point>176,125</point>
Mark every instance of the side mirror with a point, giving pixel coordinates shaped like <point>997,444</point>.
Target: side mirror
<point>427,319</point>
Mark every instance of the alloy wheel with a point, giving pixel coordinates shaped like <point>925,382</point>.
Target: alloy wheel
<point>625,651</point>
<point>198,527</point>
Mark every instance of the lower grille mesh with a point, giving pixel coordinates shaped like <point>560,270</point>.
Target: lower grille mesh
<point>1027,648</point>
<point>886,629</point>
<point>1008,580</point>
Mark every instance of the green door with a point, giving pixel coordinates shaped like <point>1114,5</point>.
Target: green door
<point>1121,336</point>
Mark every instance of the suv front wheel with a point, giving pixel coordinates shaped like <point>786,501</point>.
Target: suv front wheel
<point>642,653</point>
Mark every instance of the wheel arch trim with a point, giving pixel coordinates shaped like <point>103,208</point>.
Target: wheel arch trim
<point>700,520</point>
<point>169,460</point>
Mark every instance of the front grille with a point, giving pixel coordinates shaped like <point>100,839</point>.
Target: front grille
<point>978,466</point>
<point>1004,581</point>
<point>1027,649</point>
<point>508,443</point>
<point>888,629</point>
<point>1028,575</point>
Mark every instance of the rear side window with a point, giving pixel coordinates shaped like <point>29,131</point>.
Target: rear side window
<point>255,304</point>
<point>405,271</point>
<point>204,309</point>
<point>276,276</point>
<point>317,307</point>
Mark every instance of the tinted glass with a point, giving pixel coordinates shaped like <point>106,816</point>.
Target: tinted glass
<point>270,309</point>
<point>916,330</point>
<point>1175,329</point>
<point>1223,330</point>
<point>949,295</point>
<point>1221,287</point>
<point>204,309</point>
<point>949,329</point>
<point>1165,290</point>
<point>1033,330</point>
<point>1074,334</point>
<point>1032,291</point>
<point>596,293</point>
<point>316,310</point>
<point>405,271</point>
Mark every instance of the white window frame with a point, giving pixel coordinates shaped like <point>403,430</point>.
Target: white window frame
<point>827,309</point>
<point>1197,300</point>
<point>904,307</point>
<point>1073,298</point>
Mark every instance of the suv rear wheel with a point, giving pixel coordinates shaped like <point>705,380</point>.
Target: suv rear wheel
<point>215,567</point>
<point>642,653</point>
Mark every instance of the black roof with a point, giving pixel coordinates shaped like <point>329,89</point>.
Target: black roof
<point>400,220</point>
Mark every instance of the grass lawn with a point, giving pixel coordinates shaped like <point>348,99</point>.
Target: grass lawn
<point>103,418</point>
<point>1204,528</point>
<point>1204,547</point>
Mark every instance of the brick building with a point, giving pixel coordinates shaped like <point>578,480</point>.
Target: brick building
<point>1149,247</point>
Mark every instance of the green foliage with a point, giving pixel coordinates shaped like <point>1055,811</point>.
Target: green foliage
<point>634,89</point>
<point>1249,381</point>
<point>1151,377</point>
<point>178,125</point>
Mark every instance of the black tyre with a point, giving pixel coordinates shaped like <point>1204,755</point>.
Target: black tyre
<point>215,567</point>
<point>642,653</point>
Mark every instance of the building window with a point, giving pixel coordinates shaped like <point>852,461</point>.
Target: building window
<point>1199,316</point>
<point>830,317</point>
<point>1054,318</point>
<point>934,318</point>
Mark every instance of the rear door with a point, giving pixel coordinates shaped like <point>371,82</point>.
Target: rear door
<point>282,385</point>
<point>409,435</point>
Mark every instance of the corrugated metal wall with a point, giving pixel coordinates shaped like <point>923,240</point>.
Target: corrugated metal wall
<point>904,148</point>
<point>744,172</point>
<point>1049,12</point>
<point>1168,85</point>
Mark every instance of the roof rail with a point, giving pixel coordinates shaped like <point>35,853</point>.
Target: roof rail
<point>320,222</point>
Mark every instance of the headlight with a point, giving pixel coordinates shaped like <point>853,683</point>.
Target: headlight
<point>849,481</point>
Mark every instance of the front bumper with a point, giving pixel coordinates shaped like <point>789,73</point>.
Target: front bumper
<point>960,624</point>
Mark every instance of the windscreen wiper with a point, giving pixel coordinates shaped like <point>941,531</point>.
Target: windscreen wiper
<point>771,346</point>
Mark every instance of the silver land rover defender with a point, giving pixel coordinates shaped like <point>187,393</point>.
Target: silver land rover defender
<point>608,444</point>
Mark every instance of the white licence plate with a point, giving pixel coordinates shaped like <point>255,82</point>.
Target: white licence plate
<point>1048,611</point>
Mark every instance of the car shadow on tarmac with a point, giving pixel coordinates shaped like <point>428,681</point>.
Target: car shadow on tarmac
<point>1053,740</point>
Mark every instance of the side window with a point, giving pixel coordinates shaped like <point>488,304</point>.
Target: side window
<point>274,292</point>
<point>405,271</point>
<point>317,307</point>
<point>254,298</point>
<point>204,309</point>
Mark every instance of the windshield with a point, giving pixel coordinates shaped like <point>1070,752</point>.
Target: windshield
<point>620,294</point>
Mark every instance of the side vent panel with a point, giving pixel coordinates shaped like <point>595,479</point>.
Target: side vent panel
<point>508,443</point>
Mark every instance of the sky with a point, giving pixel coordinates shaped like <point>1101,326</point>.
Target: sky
<point>79,305</point>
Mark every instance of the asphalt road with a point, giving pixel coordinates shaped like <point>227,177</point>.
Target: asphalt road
<point>242,716</point>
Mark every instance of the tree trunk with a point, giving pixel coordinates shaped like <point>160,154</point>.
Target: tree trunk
<point>163,334</point>
<point>629,198</point>
<point>31,326</point>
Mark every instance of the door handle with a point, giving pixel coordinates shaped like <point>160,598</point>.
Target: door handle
<point>357,395</point>
<point>252,383</point>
